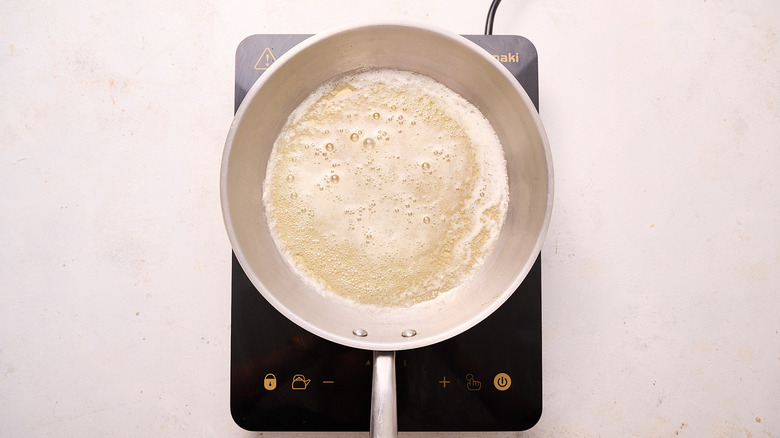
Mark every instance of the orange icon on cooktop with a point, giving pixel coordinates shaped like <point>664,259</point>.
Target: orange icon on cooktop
<point>300,382</point>
<point>502,381</point>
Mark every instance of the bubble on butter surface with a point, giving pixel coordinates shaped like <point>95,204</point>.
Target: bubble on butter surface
<point>386,188</point>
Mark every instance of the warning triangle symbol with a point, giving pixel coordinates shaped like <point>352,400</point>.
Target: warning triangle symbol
<point>266,59</point>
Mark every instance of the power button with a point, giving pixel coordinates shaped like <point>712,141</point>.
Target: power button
<point>502,381</point>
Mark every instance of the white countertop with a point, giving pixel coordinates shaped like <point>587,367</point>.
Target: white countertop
<point>661,269</point>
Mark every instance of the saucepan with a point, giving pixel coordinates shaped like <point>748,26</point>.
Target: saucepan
<point>468,70</point>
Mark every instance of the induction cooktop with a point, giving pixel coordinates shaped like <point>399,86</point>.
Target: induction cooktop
<point>284,378</point>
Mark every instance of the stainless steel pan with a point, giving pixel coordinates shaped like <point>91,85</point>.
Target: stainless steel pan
<point>465,68</point>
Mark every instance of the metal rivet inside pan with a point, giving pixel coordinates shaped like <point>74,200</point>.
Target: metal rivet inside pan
<point>360,333</point>
<point>408,333</point>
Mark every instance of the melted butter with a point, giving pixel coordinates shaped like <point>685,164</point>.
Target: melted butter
<point>386,188</point>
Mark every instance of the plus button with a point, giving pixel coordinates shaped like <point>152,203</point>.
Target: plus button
<point>444,382</point>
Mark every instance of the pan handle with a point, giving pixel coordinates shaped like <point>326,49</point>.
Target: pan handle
<point>384,420</point>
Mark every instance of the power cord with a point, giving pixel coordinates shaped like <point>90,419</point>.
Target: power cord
<point>490,16</point>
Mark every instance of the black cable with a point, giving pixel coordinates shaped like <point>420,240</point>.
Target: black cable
<point>491,15</point>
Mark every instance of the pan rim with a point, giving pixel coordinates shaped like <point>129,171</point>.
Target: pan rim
<point>346,339</point>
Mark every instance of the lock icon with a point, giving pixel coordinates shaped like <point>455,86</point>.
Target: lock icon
<point>269,382</point>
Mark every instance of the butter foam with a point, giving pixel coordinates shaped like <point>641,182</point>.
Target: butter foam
<point>386,188</point>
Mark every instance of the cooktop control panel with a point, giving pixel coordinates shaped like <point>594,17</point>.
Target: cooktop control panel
<point>284,378</point>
